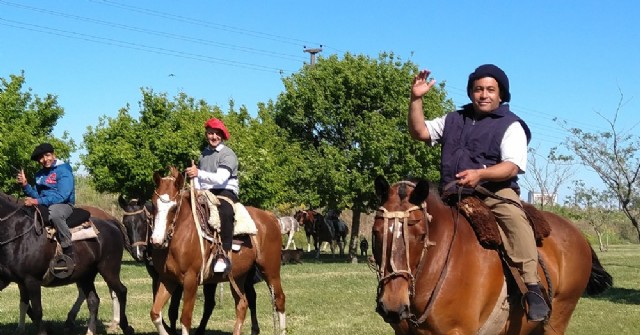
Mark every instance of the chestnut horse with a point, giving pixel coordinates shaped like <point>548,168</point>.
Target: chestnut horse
<point>138,220</point>
<point>179,253</point>
<point>436,278</point>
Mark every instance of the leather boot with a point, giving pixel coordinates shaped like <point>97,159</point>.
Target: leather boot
<point>537,307</point>
<point>68,251</point>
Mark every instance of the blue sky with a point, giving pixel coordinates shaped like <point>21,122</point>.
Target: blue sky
<point>564,59</point>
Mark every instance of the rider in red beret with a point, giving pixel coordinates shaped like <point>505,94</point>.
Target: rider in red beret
<point>217,171</point>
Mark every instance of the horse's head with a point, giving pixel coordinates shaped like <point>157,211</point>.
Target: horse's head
<point>400,236</point>
<point>137,219</point>
<point>166,201</point>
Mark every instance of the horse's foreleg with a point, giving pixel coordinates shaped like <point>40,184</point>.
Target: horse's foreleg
<point>209,291</point>
<point>161,297</point>
<point>35,316</point>
<point>189,292</point>
<point>174,307</point>
<point>31,295</point>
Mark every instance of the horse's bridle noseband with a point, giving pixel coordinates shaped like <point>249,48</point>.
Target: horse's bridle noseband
<point>148,218</point>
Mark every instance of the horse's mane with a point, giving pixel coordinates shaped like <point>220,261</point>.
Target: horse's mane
<point>9,198</point>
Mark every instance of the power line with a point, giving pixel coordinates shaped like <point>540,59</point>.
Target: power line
<point>158,33</point>
<point>137,46</point>
<point>203,23</point>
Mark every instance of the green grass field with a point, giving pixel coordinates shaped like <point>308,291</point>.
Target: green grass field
<point>329,297</point>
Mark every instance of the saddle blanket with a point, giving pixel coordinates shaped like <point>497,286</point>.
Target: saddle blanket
<point>84,231</point>
<point>243,224</point>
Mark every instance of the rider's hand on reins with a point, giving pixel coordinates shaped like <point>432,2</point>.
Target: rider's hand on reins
<point>192,171</point>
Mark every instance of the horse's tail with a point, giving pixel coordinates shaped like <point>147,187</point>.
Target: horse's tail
<point>599,280</point>
<point>125,237</point>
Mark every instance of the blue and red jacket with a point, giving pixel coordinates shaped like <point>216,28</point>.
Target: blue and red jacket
<point>54,185</point>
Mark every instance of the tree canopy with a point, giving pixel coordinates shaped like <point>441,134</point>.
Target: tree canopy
<point>351,116</point>
<point>26,120</point>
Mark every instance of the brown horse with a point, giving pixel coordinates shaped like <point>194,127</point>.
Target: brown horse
<point>436,278</point>
<point>179,253</point>
<point>318,228</point>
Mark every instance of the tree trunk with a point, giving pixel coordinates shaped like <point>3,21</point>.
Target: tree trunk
<point>355,235</point>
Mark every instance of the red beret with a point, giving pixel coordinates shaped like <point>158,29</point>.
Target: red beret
<point>214,123</point>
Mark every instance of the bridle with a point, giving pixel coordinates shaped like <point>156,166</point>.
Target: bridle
<point>400,222</point>
<point>178,199</point>
<point>148,218</point>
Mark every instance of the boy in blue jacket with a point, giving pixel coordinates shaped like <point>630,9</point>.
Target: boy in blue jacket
<point>55,189</point>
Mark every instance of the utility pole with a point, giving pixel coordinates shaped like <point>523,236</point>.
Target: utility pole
<point>312,52</point>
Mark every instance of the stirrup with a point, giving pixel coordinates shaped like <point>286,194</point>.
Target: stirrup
<point>61,266</point>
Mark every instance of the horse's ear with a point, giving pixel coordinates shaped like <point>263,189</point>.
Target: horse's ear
<point>157,177</point>
<point>382,188</point>
<point>122,201</point>
<point>420,192</point>
<point>179,180</point>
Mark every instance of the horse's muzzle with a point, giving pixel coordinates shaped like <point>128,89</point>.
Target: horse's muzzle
<point>393,316</point>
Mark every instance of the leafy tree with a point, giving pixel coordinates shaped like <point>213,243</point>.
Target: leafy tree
<point>26,120</point>
<point>547,174</point>
<point>350,115</point>
<point>615,156</point>
<point>123,152</point>
<point>270,165</point>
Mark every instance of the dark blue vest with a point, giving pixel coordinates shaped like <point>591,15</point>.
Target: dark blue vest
<point>469,143</point>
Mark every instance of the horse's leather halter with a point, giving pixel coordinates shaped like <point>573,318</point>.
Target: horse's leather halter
<point>396,216</point>
<point>148,218</point>
<point>171,226</point>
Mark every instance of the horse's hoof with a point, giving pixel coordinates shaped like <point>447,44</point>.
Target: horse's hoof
<point>129,331</point>
<point>113,327</point>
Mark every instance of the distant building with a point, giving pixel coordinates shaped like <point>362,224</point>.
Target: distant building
<point>536,198</point>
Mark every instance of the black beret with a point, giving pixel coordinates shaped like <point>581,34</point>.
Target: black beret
<point>41,150</point>
<point>490,70</point>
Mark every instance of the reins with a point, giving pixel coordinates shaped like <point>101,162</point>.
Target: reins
<point>26,231</point>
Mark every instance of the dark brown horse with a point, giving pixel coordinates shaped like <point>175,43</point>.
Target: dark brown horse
<point>25,253</point>
<point>436,278</point>
<point>318,229</point>
<point>179,254</point>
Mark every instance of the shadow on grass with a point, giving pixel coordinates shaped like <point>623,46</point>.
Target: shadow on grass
<point>57,327</point>
<point>52,327</point>
<point>326,258</point>
<point>620,295</point>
